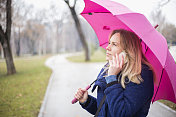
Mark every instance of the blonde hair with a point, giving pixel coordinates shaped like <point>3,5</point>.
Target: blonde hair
<point>131,45</point>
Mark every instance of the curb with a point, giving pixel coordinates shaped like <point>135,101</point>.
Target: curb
<point>42,109</point>
<point>166,107</point>
<point>44,102</point>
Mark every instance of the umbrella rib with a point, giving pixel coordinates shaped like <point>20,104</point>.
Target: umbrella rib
<point>158,85</point>
<point>103,43</point>
<point>95,12</point>
<point>146,48</point>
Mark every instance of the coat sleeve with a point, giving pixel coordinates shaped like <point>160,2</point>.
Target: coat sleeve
<point>90,105</point>
<point>126,102</point>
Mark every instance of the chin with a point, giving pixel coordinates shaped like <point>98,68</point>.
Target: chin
<point>107,59</point>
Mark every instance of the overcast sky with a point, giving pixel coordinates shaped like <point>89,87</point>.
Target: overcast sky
<point>142,6</point>
<point>147,6</point>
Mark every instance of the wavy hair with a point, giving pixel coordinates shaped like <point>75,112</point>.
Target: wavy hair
<point>131,45</point>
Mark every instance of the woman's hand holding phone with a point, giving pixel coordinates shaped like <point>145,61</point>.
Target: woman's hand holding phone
<point>116,64</point>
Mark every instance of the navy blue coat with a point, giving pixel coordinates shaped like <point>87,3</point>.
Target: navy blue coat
<point>133,101</point>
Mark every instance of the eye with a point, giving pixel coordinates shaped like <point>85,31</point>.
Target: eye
<point>114,44</point>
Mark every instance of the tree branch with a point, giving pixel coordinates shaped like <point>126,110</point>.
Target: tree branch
<point>67,2</point>
<point>164,3</point>
<point>74,3</point>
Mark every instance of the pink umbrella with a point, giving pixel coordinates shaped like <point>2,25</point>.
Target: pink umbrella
<point>105,16</point>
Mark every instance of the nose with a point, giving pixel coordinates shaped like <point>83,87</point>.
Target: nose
<point>108,48</point>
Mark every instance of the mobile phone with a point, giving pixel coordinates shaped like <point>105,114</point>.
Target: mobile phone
<point>124,56</point>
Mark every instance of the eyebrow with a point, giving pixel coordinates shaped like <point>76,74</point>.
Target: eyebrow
<point>114,42</point>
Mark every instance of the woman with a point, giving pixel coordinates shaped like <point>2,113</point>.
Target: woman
<point>126,81</point>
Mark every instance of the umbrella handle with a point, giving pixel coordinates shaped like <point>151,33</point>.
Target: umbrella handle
<point>75,100</point>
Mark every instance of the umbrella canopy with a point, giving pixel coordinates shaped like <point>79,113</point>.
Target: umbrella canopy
<point>105,16</point>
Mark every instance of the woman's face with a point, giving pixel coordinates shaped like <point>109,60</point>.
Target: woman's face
<point>113,47</point>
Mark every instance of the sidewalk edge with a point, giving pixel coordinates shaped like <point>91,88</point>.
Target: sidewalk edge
<point>42,108</point>
<point>165,106</point>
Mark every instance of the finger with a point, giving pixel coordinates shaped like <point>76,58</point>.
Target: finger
<point>110,62</point>
<point>114,61</point>
<point>83,90</point>
<point>122,61</point>
<point>117,59</point>
<point>77,96</point>
<point>80,94</point>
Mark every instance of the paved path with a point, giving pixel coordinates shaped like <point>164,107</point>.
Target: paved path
<point>66,78</point>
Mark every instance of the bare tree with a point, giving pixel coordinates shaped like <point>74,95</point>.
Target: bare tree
<point>1,52</point>
<point>169,33</point>
<point>5,38</point>
<point>163,3</point>
<point>79,29</point>
<point>40,29</point>
<point>34,34</point>
<point>19,14</point>
<point>55,26</point>
<point>157,16</point>
<point>167,29</point>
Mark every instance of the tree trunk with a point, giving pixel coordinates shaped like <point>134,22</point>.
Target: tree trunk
<point>5,40</point>
<point>2,53</point>
<point>81,35</point>
<point>7,53</point>
<point>18,43</point>
<point>8,57</point>
<point>39,47</point>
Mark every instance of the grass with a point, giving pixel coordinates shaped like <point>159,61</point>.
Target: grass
<point>168,103</point>
<point>99,56</point>
<point>21,94</point>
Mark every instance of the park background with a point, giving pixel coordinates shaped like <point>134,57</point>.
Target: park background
<point>42,29</point>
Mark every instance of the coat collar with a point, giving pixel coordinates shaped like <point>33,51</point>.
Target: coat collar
<point>101,82</point>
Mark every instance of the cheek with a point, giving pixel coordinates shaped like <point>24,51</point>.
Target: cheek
<point>115,51</point>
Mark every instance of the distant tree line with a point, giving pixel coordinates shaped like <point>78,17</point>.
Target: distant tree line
<point>31,36</point>
<point>167,29</point>
<point>25,32</point>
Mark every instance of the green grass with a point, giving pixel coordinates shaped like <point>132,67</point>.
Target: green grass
<point>21,94</point>
<point>98,56</point>
<point>168,103</point>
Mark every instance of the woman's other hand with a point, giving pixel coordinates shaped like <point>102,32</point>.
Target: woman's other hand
<point>115,65</point>
<point>81,95</point>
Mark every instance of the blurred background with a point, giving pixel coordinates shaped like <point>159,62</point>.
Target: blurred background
<point>31,31</point>
<point>48,26</point>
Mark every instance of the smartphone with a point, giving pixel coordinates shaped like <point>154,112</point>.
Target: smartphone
<point>124,56</point>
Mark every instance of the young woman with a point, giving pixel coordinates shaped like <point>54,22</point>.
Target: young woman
<point>125,82</point>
